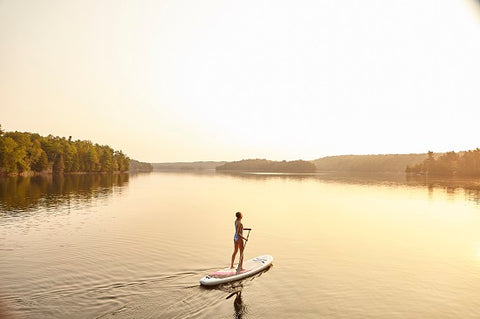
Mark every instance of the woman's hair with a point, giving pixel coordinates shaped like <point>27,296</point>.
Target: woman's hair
<point>238,214</point>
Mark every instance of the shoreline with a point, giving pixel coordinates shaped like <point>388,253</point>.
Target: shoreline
<point>47,173</point>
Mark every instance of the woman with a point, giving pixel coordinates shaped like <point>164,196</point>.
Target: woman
<point>238,241</point>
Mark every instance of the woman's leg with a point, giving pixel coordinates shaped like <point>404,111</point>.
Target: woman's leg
<point>241,247</point>
<point>235,249</point>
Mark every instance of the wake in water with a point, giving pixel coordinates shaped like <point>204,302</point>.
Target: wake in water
<point>175,296</point>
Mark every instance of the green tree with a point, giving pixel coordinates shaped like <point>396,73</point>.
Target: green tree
<point>52,146</point>
<point>469,163</point>
<point>22,151</point>
<point>92,162</point>
<point>82,151</point>
<point>69,151</point>
<point>58,165</point>
<point>8,155</point>
<point>76,162</point>
<point>20,155</point>
<point>122,161</point>
<point>41,163</point>
<point>106,158</point>
<point>34,151</point>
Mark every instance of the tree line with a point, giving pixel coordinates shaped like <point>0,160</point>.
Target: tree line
<point>23,152</point>
<point>466,164</point>
<point>263,165</point>
<point>136,166</point>
<point>369,163</point>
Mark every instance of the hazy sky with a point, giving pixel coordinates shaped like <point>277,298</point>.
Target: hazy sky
<point>186,80</point>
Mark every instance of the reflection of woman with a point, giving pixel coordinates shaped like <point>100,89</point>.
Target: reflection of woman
<point>238,241</point>
<point>239,306</point>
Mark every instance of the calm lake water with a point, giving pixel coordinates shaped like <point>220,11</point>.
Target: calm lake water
<point>136,246</point>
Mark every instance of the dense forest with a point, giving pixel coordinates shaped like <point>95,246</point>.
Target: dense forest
<point>136,166</point>
<point>263,165</point>
<point>22,152</point>
<point>466,164</point>
<point>368,163</point>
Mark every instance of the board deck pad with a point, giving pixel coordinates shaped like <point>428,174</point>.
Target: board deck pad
<point>251,267</point>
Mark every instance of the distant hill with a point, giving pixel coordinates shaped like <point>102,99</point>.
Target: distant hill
<point>369,163</point>
<point>263,165</point>
<point>341,163</point>
<point>187,165</point>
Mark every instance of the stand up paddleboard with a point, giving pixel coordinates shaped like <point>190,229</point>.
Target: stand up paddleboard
<point>251,267</point>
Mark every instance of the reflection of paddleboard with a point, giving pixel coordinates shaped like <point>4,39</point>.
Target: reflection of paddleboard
<point>251,267</point>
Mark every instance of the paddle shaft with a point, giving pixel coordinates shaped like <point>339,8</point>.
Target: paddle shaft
<point>248,235</point>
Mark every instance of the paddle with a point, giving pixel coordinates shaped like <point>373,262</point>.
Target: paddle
<point>249,230</point>
<point>232,294</point>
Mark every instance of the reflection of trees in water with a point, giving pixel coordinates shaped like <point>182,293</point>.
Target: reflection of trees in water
<point>451,186</point>
<point>341,177</point>
<point>473,195</point>
<point>265,176</point>
<point>19,193</point>
<point>470,186</point>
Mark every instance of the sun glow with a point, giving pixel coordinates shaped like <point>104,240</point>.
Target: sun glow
<point>176,80</point>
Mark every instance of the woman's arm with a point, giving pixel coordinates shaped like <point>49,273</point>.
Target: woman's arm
<point>239,231</point>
